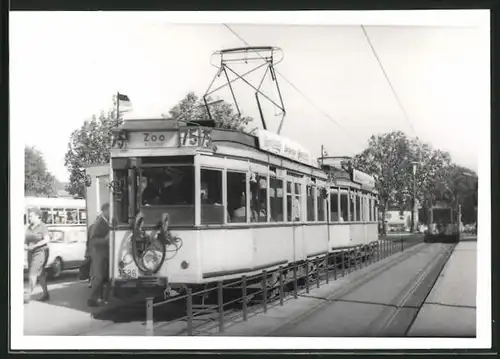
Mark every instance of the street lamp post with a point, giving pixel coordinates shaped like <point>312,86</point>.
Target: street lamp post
<point>414,201</point>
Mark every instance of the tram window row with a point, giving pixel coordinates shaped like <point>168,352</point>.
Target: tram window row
<point>232,197</point>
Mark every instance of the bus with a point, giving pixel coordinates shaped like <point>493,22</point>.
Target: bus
<point>58,211</point>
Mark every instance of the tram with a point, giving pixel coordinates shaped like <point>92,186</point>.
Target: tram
<point>444,223</point>
<point>192,205</point>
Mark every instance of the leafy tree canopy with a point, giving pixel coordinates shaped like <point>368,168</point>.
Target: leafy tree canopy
<point>390,157</point>
<point>192,108</point>
<point>38,181</point>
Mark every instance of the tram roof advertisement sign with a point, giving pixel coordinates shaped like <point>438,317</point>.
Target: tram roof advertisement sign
<point>281,146</point>
<point>365,180</point>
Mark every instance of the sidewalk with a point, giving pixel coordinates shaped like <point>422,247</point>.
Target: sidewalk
<point>450,308</point>
<point>66,313</point>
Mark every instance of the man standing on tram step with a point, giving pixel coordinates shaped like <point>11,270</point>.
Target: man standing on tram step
<point>99,256</point>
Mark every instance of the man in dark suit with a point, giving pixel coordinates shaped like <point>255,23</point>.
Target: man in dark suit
<point>99,254</point>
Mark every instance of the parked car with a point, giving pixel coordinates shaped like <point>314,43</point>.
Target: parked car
<point>66,249</point>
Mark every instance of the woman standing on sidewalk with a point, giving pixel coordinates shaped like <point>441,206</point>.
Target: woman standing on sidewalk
<point>36,243</point>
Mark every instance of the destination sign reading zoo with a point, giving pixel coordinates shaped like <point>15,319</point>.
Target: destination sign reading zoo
<point>184,137</point>
<point>158,139</point>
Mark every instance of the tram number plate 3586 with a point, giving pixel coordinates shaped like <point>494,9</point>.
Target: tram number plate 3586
<point>128,273</point>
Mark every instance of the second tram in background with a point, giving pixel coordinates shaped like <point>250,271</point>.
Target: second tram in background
<point>194,205</point>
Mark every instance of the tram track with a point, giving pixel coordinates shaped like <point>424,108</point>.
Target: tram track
<point>168,318</point>
<point>234,316</point>
<point>382,314</point>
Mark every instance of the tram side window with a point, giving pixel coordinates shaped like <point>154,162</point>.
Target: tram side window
<point>343,207</point>
<point>352,205</point>
<point>310,203</point>
<point>358,206</point>
<point>276,199</point>
<point>334,206</point>
<point>369,209</point>
<point>120,198</point>
<point>293,201</point>
<point>363,207</point>
<point>372,210</point>
<point>236,197</point>
<point>289,201</point>
<point>258,199</point>
<point>212,210</point>
<point>321,205</point>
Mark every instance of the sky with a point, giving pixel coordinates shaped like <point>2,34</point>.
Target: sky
<point>66,67</point>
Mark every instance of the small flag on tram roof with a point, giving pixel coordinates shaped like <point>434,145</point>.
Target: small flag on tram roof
<point>124,103</point>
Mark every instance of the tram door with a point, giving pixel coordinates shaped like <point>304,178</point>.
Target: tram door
<point>97,192</point>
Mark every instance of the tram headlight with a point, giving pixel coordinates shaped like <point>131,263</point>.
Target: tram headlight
<point>127,259</point>
<point>151,259</point>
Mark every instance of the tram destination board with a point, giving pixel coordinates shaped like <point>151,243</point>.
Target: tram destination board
<point>195,137</point>
<point>185,137</point>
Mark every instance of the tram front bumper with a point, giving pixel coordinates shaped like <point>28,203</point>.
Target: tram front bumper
<point>141,282</point>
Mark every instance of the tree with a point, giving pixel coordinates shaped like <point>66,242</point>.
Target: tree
<point>388,159</point>
<point>38,181</point>
<point>89,145</point>
<point>192,108</point>
<point>458,187</point>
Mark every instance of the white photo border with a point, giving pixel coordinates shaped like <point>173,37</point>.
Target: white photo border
<point>476,18</point>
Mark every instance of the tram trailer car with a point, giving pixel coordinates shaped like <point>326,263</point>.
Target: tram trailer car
<point>194,205</point>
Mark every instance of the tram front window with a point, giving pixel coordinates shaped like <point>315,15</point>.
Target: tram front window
<point>167,189</point>
<point>158,190</point>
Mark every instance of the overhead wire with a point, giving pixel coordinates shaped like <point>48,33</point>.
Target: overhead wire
<point>298,90</point>
<point>398,100</point>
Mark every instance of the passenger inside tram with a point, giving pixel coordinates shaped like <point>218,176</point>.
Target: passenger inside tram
<point>149,193</point>
<point>240,213</point>
<point>236,196</point>
<point>258,201</point>
<point>161,187</point>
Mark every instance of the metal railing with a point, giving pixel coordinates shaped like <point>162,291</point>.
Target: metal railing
<point>326,267</point>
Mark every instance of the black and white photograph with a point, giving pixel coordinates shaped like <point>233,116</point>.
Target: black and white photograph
<point>250,180</point>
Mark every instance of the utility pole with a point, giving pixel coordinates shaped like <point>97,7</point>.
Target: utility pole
<point>414,201</point>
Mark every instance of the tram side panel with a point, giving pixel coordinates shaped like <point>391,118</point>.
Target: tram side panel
<point>340,236</point>
<point>357,234</point>
<point>315,239</point>
<point>225,252</point>
<point>272,246</point>
<point>372,232</point>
